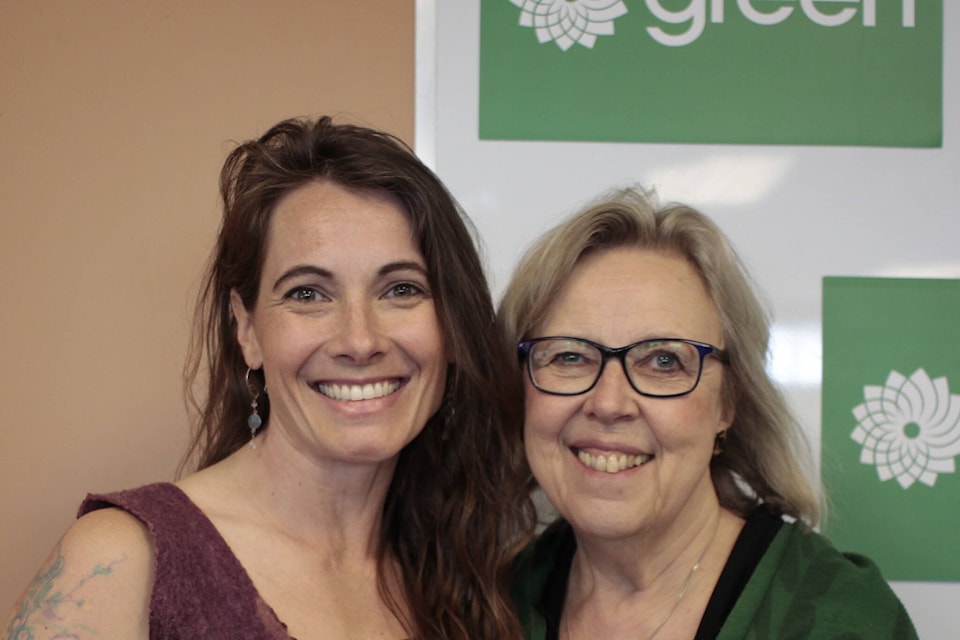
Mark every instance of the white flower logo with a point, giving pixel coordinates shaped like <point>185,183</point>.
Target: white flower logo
<point>569,21</point>
<point>909,428</point>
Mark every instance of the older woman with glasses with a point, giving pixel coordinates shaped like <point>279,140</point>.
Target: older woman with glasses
<point>675,466</point>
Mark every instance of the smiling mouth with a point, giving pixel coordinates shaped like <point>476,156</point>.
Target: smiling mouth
<point>355,392</point>
<point>611,462</point>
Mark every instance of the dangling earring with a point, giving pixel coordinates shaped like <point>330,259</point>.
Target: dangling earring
<point>719,441</point>
<point>253,420</point>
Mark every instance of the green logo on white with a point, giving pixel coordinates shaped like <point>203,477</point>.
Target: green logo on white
<point>909,428</point>
<point>570,21</point>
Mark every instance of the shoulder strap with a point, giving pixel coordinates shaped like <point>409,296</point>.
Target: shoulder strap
<point>200,588</point>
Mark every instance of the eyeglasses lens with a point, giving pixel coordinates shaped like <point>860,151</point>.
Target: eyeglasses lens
<point>654,367</point>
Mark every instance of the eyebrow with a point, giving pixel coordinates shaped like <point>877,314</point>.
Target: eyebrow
<point>326,274</point>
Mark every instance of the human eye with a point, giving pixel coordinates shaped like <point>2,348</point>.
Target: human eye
<point>304,294</point>
<point>564,354</point>
<point>405,290</point>
<point>661,358</point>
<point>574,359</point>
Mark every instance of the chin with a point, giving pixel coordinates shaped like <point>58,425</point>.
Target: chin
<point>609,532</point>
<point>606,524</point>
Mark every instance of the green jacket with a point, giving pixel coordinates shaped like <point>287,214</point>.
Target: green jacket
<point>802,588</point>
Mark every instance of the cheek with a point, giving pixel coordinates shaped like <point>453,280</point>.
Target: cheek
<point>539,440</point>
<point>545,416</point>
<point>532,413</point>
<point>715,407</point>
<point>288,345</point>
<point>424,347</point>
<point>420,335</point>
<point>436,351</point>
<point>691,423</point>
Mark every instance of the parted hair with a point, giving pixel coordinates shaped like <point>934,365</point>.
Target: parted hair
<point>765,458</point>
<point>457,509</point>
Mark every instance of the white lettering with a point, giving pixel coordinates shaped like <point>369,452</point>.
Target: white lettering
<point>716,11</point>
<point>695,13</point>
<point>869,13</point>
<point>827,20</point>
<point>908,13</point>
<point>758,17</point>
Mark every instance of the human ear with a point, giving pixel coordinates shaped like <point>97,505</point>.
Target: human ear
<point>728,407</point>
<point>246,332</point>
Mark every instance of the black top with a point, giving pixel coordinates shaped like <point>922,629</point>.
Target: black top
<point>760,529</point>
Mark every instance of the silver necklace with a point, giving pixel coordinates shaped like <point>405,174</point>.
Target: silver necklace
<point>676,603</point>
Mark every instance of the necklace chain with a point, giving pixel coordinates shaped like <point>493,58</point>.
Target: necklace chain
<point>683,591</point>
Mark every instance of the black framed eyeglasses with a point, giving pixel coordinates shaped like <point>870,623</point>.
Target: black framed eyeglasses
<point>659,368</point>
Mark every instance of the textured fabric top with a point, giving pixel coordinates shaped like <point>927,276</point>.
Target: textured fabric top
<point>200,589</point>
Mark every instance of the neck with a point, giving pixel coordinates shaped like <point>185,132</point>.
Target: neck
<point>329,505</point>
<point>649,558</point>
<point>673,608</point>
<point>635,586</point>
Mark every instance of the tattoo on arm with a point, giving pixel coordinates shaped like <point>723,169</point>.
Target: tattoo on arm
<point>45,606</point>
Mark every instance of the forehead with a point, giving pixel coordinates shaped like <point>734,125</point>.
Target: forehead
<point>328,218</point>
<point>622,295</point>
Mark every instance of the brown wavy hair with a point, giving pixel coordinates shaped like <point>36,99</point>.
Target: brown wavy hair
<point>765,458</point>
<point>457,509</point>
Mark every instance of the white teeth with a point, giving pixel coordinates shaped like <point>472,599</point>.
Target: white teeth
<point>358,392</point>
<point>612,462</point>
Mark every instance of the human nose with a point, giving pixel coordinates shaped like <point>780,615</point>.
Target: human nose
<point>359,337</point>
<point>612,398</point>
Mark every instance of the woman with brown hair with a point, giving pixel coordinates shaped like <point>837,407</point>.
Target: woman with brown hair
<point>360,467</point>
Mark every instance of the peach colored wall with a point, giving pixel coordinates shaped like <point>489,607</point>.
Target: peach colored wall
<point>114,119</point>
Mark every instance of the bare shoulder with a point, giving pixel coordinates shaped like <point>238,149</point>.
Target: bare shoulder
<point>95,584</point>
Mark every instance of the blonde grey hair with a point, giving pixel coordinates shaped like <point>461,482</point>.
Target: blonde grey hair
<point>765,458</point>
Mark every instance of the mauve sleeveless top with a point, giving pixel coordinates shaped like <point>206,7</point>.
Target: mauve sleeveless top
<point>200,589</point>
